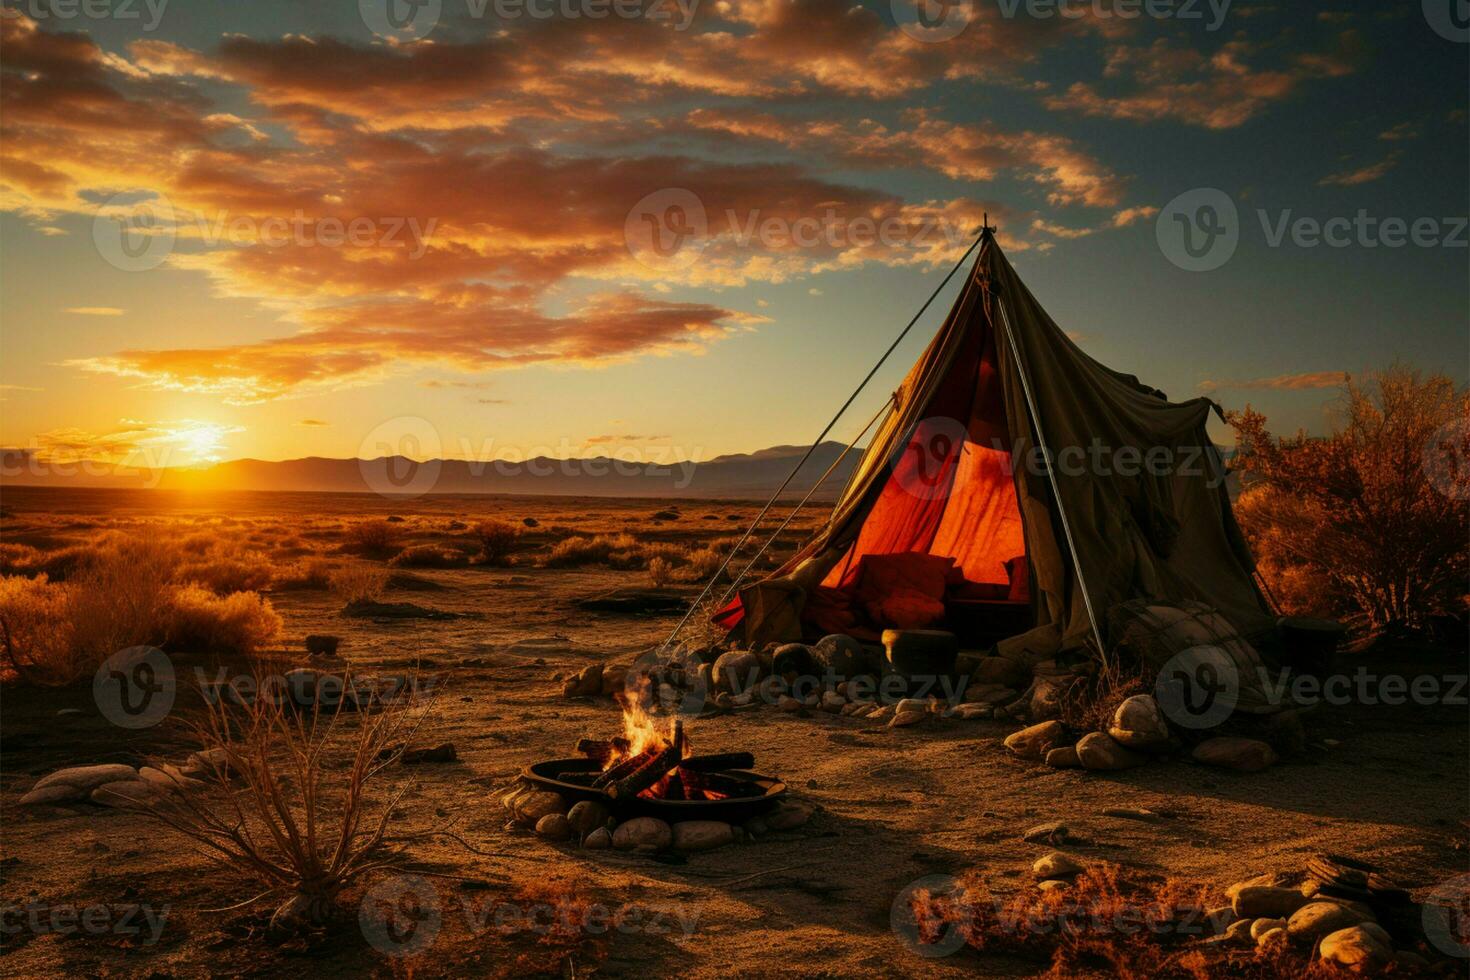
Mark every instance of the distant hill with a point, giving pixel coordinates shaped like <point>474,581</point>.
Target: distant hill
<point>736,475</point>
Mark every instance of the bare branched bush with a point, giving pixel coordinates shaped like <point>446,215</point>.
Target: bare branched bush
<point>497,540</point>
<point>296,799</point>
<point>354,583</point>
<point>373,537</point>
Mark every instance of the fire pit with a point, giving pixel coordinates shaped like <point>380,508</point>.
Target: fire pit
<point>751,794</point>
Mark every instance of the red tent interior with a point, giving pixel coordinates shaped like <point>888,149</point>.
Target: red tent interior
<point>943,544</point>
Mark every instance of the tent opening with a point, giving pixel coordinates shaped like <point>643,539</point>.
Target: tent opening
<point>942,545</point>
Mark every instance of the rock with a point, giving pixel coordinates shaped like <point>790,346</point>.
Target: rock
<point>1269,879</point>
<point>1048,694</point>
<point>903,719</point>
<point>587,683</point>
<point>913,704</point>
<point>1139,724</point>
<point>1051,885</point>
<point>1064,757</point>
<point>1056,865</point>
<point>1054,832</point>
<point>787,703</point>
<point>554,826</point>
<point>1286,733</point>
<point>1273,937</point>
<point>998,670</point>
<point>84,779</point>
<point>833,702</point>
<point>55,793</point>
<point>598,840</point>
<point>1356,948</point>
<point>643,832</point>
<point>1099,752</point>
<point>973,712</point>
<point>208,762</point>
<point>881,713</point>
<point>738,700</point>
<point>1131,813</point>
<point>1255,901</point>
<point>536,804</point>
<point>769,690</point>
<point>756,827</point>
<point>1377,932</point>
<point>587,816</point>
<point>1220,918</point>
<point>1230,752</point>
<point>1317,919</point>
<point>1260,926</point>
<point>1035,742</point>
<point>322,644</point>
<point>787,816</point>
<point>841,655</point>
<point>811,701</point>
<point>702,835</point>
<point>737,671</point>
<point>991,694</point>
<point>126,792</point>
<point>1239,931</point>
<point>170,778</point>
<point>614,679</point>
<point>444,752</point>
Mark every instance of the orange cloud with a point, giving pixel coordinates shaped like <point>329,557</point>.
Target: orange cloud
<point>1284,382</point>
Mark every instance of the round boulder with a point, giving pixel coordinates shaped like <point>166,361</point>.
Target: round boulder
<point>1317,919</point>
<point>1035,742</point>
<point>1139,724</point>
<point>737,671</point>
<point>554,826</point>
<point>841,655</point>
<point>586,816</point>
<point>702,835</point>
<point>643,832</point>
<point>1097,751</point>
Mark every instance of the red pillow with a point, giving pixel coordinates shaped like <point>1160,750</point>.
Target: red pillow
<point>915,571</point>
<point>1019,569</point>
<point>905,609</point>
<point>830,610</point>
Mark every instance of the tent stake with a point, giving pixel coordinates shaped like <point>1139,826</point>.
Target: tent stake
<point>808,455</point>
<point>1051,475</point>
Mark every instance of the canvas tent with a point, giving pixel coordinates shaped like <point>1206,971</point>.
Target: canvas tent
<point>1061,488</point>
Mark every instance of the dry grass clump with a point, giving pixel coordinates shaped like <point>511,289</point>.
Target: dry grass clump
<point>296,799</point>
<point>429,556</point>
<point>34,631</point>
<point>596,550</point>
<point>660,572</point>
<point>372,537</point>
<point>198,620</point>
<point>226,574</point>
<point>302,576</point>
<point>497,540</point>
<point>354,583</point>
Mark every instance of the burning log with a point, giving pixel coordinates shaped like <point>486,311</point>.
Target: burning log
<point>708,785</point>
<point>603,749</point>
<point>650,772</point>
<point>718,761</point>
<point>623,769</point>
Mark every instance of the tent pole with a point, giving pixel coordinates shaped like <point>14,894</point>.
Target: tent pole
<point>1051,473</point>
<point>808,455</point>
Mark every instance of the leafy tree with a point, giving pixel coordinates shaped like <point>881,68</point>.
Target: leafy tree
<point>1371,522</point>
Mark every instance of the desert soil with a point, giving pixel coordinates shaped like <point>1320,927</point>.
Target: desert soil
<point>893,806</point>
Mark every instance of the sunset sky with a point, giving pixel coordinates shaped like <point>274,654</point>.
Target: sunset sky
<point>498,290</point>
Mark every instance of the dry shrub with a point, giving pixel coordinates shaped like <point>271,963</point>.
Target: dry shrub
<point>294,799</point>
<point>1107,923</point>
<point>18,559</point>
<point>1092,701</point>
<point>120,597</point>
<point>372,537</point>
<point>224,575</point>
<point>35,631</point>
<point>314,574</point>
<point>354,583</point>
<point>704,562</point>
<point>660,572</point>
<point>597,550</point>
<point>497,540</point>
<point>202,622</point>
<point>429,556</point>
<point>1375,511</point>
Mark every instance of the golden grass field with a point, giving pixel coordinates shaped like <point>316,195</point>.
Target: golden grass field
<point>233,583</point>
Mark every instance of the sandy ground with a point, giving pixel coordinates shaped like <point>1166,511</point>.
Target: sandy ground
<point>894,806</point>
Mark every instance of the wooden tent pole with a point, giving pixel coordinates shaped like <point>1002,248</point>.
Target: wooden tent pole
<point>1051,473</point>
<point>808,455</point>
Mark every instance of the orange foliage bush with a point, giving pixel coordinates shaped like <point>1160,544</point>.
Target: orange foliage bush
<point>1369,521</point>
